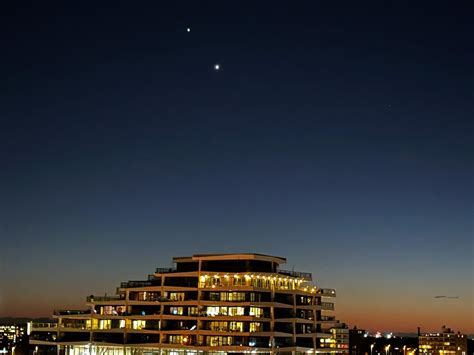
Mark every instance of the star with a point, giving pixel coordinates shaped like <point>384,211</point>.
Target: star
<point>217,67</point>
<point>188,29</point>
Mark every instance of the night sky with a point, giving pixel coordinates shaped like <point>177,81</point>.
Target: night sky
<point>336,134</point>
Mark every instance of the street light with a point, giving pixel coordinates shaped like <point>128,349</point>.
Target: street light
<point>387,348</point>
<point>371,348</point>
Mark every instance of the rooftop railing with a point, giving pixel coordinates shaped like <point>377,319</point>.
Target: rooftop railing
<point>304,275</point>
<point>67,312</point>
<point>327,292</point>
<point>104,298</point>
<point>165,270</point>
<point>131,284</point>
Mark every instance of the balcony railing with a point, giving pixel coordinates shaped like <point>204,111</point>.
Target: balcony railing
<point>44,325</point>
<point>304,275</point>
<point>327,306</point>
<point>142,313</point>
<point>76,326</point>
<point>327,292</point>
<point>69,312</point>
<point>130,284</point>
<point>164,270</point>
<point>104,298</point>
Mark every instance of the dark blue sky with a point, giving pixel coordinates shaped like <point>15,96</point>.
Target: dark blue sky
<point>337,135</point>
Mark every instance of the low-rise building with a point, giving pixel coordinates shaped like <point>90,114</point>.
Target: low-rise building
<point>445,342</point>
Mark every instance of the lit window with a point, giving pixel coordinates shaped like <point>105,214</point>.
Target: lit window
<point>176,310</point>
<point>138,324</point>
<point>255,327</point>
<point>236,326</point>
<point>256,312</point>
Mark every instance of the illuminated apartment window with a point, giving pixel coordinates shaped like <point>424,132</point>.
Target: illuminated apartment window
<point>218,326</point>
<point>216,281</point>
<point>105,324</point>
<point>236,311</point>
<point>261,282</point>
<point>305,300</point>
<point>176,296</point>
<point>255,327</point>
<point>239,281</point>
<point>111,310</point>
<point>225,281</point>
<point>213,311</point>
<point>193,311</point>
<point>235,296</point>
<point>148,296</point>
<point>236,326</point>
<point>256,312</point>
<point>138,324</point>
<point>176,310</point>
<point>176,339</point>
<point>218,341</point>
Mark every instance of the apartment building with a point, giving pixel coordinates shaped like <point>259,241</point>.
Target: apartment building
<point>445,342</point>
<point>206,304</point>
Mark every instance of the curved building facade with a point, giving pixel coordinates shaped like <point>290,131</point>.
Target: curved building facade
<point>219,303</point>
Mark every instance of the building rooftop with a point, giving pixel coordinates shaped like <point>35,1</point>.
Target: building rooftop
<point>231,256</point>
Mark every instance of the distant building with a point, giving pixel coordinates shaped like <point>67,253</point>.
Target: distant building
<point>13,337</point>
<point>207,304</point>
<point>340,337</point>
<point>445,342</point>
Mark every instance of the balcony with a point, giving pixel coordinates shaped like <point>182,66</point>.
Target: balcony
<point>303,275</point>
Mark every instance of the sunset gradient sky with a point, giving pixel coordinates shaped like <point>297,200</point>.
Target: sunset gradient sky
<point>337,135</point>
